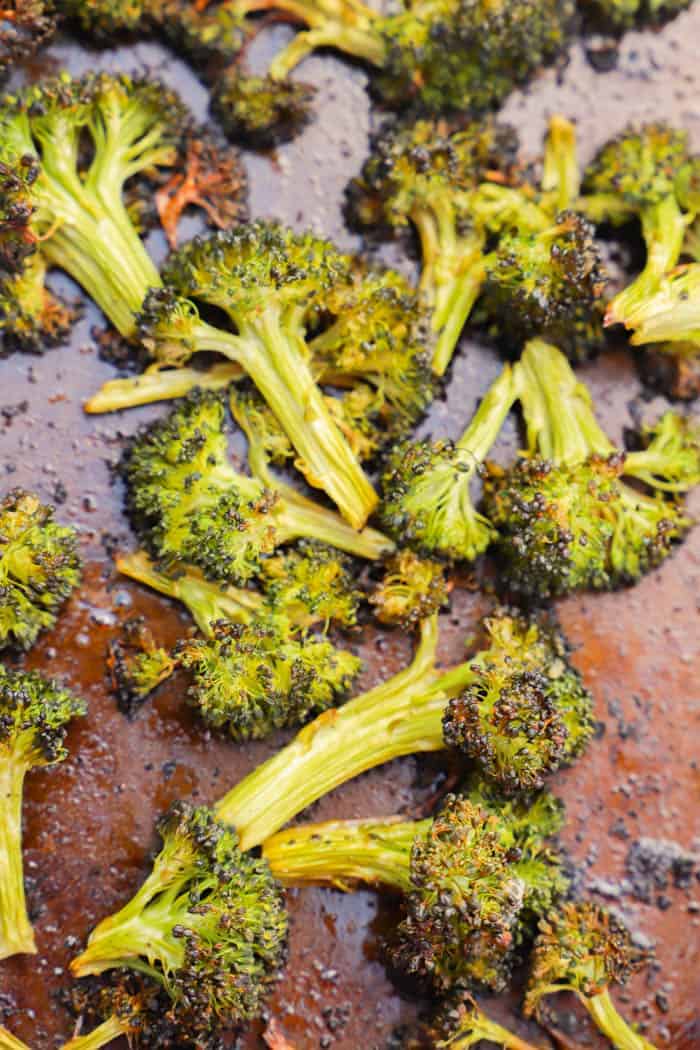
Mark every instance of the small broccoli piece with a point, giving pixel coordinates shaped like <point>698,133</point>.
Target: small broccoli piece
<point>39,567</point>
<point>412,589</point>
<point>31,317</point>
<point>621,15</point>
<point>160,385</point>
<point>189,504</point>
<point>311,583</point>
<point>10,1042</point>
<point>585,949</point>
<point>463,1023</point>
<point>209,923</point>
<point>426,485</point>
<point>25,26</point>
<point>137,665</point>
<point>272,283</point>
<point>565,518</point>
<point>34,715</point>
<point>104,19</point>
<point>206,33</point>
<point>261,112</point>
<point>640,174</point>
<point>253,679</point>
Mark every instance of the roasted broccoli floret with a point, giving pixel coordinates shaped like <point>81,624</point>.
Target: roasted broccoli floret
<point>585,949</point>
<point>261,112</point>
<point>462,1023</point>
<point>462,895</point>
<point>412,589</point>
<point>32,318</point>
<point>426,485</point>
<point>565,518</point>
<point>273,285</point>
<point>137,665</point>
<point>621,15</point>
<point>640,175</point>
<point>311,583</point>
<point>209,923</point>
<point>252,679</point>
<point>39,567</point>
<point>25,26</point>
<point>34,715</point>
<point>189,503</point>
<point>105,19</point>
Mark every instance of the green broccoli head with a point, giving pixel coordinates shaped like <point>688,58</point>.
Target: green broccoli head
<point>435,53</point>
<point>640,167</point>
<point>137,665</point>
<point>32,318</point>
<point>621,15</point>
<point>25,26</point>
<point>203,32</point>
<point>261,112</point>
<point>209,923</point>
<point>548,283</point>
<point>528,712</point>
<point>39,567</point>
<point>412,589</point>
<point>311,583</point>
<point>252,679</point>
<point>105,19</point>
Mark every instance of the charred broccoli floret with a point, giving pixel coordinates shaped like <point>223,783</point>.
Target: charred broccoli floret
<point>39,567</point>
<point>105,19</point>
<point>463,1023</point>
<point>252,679</point>
<point>426,485</point>
<point>25,26</point>
<point>209,923</point>
<point>32,318</point>
<point>621,15</point>
<point>34,715</point>
<point>585,949</point>
<point>261,111</point>
<point>137,665</point>
<point>565,518</point>
<point>189,503</point>
<point>412,589</point>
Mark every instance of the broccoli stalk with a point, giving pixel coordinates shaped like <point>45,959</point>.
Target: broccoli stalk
<point>669,313</point>
<point>10,1042</point>
<point>427,500</point>
<point>34,714</point>
<point>160,384</point>
<point>584,949</point>
<point>113,1028</point>
<point>468,1025</point>
<point>561,177</point>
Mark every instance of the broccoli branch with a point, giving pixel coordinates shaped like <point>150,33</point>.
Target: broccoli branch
<point>103,1035</point>
<point>16,934</point>
<point>160,384</point>
<point>10,1042</point>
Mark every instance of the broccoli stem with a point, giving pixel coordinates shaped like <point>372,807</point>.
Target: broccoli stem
<point>558,409</point>
<point>399,717</point>
<point>206,601</point>
<point>671,313</point>
<point>560,175</point>
<point>160,385</point>
<point>340,853</point>
<point>10,1042</point>
<point>663,228</point>
<point>16,934</point>
<point>612,1025</point>
<point>278,364</point>
<point>485,426</point>
<point>104,1034</point>
<point>483,1028</point>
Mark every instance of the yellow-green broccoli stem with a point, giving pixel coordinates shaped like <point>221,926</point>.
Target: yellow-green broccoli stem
<point>612,1025</point>
<point>10,1042</point>
<point>341,853</point>
<point>475,1026</point>
<point>670,313</point>
<point>561,176</point>
<point>160,384</point>
<point>103,1035</point>
<point>399,717</point>
<point>16,934</point>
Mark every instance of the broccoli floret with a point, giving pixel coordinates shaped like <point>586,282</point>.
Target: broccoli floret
<point>621,15</point>
<point>585,949</point>
<point>311,583</point>
<point>39,567</point>
<point>31,317</point>
<point>189,503</point>
<point>25,26</point>
<point>206,33</point>
<point>412,589</point>
<point>272,283</point>
<point>105,19</point>
<point>565,518</point>
<point>209,923</point>
<point>34,715</point>
<point>640,174</point>
<point>411,712</point>
<point>74,215</point>
<point>253,679</point>
<point>261,112</point>
<point>137,665</point>
<point>426,485</point>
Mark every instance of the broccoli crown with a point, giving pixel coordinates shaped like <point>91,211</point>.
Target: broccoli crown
<point>311,583</point>
<point>549,283</point>
<point>209,923</point>
<point>187,501</point>
<point>528,712</point>
<point>562,528</point>
<point>203,32</point>
<point>39,567</point>
<point>640,166</point>
<point>25,25</point>
<point>18,173</point>
<point>414,165</point>
<point>621,15</point>
<point>261,112</point>
<point>34,716</point>
<point>31,317</point>
<point>584,947</point>
<point>252,679</point>
<point>137,665</point>
<point>467,54</point>
<point>106,19</point>
<point>464,901</point>
<point>412,589</point>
